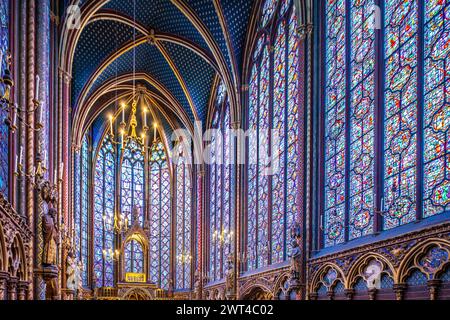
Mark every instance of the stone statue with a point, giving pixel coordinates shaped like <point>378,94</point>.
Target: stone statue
<point>196,292</point>
<point>71,272</point>
<point>51,238</point>
<point>296,253</point>
<point>79,279</point>
<point>48,192</point>
<point>229,276</point>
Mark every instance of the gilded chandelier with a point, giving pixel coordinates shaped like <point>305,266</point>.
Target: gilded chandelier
<point>128,130</point>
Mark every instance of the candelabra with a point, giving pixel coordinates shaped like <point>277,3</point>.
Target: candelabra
<point>111,255</point>
<point>15,113</point>
<point>222,237</point>
<point>127,131</point>
<point>118,224</point>
<point>184,258</point>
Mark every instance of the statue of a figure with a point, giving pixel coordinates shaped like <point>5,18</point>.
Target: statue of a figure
<point>196,285</point>
<point>229,275</point>
<point>51,238</point>
<point>79,280</point>
<point>48,193</point>
<point>296,253</point>
<point>71,272</point>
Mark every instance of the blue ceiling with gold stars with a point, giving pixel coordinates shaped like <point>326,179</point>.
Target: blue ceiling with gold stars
<point>101,39</point>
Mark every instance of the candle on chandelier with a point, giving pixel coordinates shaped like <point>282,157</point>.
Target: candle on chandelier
<point>123,113</point>
<point>61,171</point>
<point>17,164</point>
<point>21,155</point>
<point>44,160</point>
<point>37,87</point>
<point>55,174</point>
<point>14,121</point>
<point>145,117</point>
<point>155,126</point>
<point>111,124</point>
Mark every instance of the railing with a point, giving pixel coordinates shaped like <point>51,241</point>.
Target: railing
<point>107,293</point>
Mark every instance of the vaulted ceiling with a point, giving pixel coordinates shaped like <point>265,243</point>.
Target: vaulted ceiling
<point>181,46</point>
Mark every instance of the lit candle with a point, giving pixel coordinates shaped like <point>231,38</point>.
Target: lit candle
<point>44,160</point>
<point>37,87</point>
<point>55,175</point>
<point>154,133</point>
<point>15,115</point>
<point>145,117</point>
<point>17,164</point>
<point>21,155</point>
<point>61,171</point>
<point>111,123</point>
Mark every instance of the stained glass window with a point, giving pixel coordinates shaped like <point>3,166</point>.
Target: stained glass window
<point>81,205</point>
<point>160,217</point>
<point>436,170</point>
<point>268,11</point>
<point>77,202</point>
<point>132,181</point>
<point>84,217</point>
<point>273,186</point>
<point>134,257</point>
<point>353,65</point>
<point>335,122</point>
<point>362,119</point>
<point>183,226</point>
<point>104,195</point>
<point>4,130</point>
<point>221,185</point>
<point>401,46</point>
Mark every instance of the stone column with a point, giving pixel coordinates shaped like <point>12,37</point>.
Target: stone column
<point>30,54</point>
<point>42,136</point>
<point>22,289</point>
<point>373,294</point>
<point>433,286</point>
<point>3,281</point>
<point>349,293</point>
<point>237,192</point>
<point>12,288</point>
<point>200,241</point>
<point>399,290</point>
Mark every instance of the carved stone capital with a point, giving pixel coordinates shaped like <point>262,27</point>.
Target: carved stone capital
<point>349,293</point>
<point>399,290</point>
<point>433,286</point>
<point>22,289</point>
<point>201,173</point>
<point>66,77</point>
<point>236,125</point>
<point>12,288</point>
<point>373,293</point>
<point>3,281</point>
<point>313,296</point>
